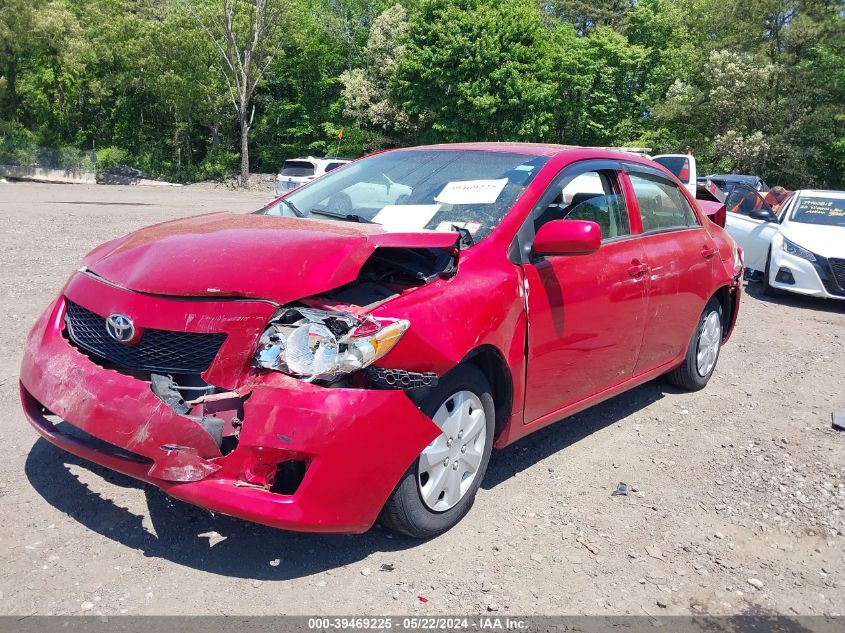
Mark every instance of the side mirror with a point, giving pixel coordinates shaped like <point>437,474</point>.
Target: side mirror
<point>567,237</point>
<point>766,215</point>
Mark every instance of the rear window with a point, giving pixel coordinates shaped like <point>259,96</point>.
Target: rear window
<point>678,165</point>
<point>297,168</point>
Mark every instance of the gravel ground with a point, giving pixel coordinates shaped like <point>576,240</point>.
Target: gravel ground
<point>738,503</point>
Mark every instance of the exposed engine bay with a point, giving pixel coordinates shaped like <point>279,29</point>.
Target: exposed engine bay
<point>389,272</point>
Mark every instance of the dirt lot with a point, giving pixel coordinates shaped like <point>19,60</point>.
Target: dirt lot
<point>740,505</point>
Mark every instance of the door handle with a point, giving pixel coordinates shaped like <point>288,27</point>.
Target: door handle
<point>637,269</point>
<point>708,251</point>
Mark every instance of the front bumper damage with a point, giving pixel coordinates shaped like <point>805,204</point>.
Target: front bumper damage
<point>352,445</point>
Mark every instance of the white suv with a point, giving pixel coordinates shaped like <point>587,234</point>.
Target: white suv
<point>298,171</point>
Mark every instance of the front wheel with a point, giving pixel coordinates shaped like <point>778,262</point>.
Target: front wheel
<point>703,350</point>
<point>768,288</point>
<point>439,488</point>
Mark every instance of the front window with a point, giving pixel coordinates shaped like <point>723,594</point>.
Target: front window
<point>595,196</point>
<point>828,211</point>
<point>411,190</point>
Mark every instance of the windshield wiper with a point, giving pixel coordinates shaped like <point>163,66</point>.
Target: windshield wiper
<point>290,205</point>
<point>349,217</point>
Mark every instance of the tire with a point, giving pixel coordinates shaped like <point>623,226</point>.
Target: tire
<point>408,509</point>
<point>768,289</point>
<point>692,374</point>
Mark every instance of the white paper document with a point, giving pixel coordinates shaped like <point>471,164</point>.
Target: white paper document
<point>471,191</point>
<point>406,217</point>
<point>472,227</point>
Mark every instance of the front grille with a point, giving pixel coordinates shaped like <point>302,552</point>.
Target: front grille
<point>838,268</point>
<point>161,351</point>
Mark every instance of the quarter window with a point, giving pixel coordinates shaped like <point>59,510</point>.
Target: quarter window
<point>662,205</point>
<point>594,196</point>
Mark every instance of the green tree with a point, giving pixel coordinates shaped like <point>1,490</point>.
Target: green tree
<point>41,51</point>
<point>366,93</point>
<point>247,35</point>
<point>477,71</point>
<point>585,15</point>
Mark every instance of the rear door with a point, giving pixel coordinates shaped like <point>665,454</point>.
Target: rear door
<point>585,312</point>
<point>680,254</point>
<point>752,235</point>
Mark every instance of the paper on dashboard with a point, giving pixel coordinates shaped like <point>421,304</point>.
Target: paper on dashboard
<point>471,191</point>
<point>406,217</point>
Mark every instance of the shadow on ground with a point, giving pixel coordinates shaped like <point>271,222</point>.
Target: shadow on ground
<point>190,536</point>
<point>792,300</point>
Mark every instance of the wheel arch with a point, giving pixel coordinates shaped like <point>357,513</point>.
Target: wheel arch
<point>727,299</point>
<point>492,364</point>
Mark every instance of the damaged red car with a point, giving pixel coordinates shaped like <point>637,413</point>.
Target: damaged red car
<point>354,351</point>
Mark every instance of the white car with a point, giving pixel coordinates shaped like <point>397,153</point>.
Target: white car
<point>297,171</point>
<point>682,166</point>
<point>802,249</point>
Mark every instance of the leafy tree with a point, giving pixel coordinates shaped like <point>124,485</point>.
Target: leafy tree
<point>749,84</point>
<point>40,60</point>
<point>610,105</point>
<point>366,92</point>
<point>246,34</point>
<point>585,15</point>
<point>477,71</point>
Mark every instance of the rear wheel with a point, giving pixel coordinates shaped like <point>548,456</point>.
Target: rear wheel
<point>703,350</point>
<point>439,488</point>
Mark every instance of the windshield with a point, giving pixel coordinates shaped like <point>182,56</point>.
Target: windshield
<point>410,190</point>
<point>829,211</point>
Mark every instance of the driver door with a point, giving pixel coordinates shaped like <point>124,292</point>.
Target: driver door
<point>585,312</point>
<point>753,235</point>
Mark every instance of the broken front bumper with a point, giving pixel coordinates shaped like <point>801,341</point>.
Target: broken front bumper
<point>354,444</point>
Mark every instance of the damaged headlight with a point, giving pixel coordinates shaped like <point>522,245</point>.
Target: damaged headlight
<point>320,344</point>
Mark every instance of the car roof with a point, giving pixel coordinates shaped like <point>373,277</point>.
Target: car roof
<point>531,149</point>
<point>537,149</point>
<point>746,178</point>
<point>314,159</point>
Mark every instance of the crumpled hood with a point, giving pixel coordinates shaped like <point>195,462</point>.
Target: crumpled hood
<point>254,256</point>
<point>822,239</point>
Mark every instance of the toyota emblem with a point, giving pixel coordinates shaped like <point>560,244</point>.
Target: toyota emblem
<point>120,328</point>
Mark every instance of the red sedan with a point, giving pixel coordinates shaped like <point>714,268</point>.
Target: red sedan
<point>354,351</point>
